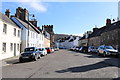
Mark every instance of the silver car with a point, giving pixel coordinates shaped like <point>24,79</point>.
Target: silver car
<point>107,51</point>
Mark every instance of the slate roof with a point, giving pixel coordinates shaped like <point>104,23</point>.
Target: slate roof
<point>82,37</point>
<point>74,37</point>
<point>35,28</point>
<point>25,24</point>
<point>4,18</point>
<point>113,26</point>
<point>103,29</point>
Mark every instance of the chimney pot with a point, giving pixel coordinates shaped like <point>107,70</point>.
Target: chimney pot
<point>7,13</point>
<point>108,22</point>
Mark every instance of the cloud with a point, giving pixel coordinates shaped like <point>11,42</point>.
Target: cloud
<point>34,4</point>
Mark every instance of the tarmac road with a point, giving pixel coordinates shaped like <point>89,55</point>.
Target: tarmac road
<point>64,64</point>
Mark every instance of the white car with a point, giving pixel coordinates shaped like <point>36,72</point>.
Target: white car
<point>107,50</point>
<point>42,51</point>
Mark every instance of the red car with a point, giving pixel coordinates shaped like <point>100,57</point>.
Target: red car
<point>49,50</point>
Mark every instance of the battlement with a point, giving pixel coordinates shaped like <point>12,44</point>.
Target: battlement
<point>47,26</point>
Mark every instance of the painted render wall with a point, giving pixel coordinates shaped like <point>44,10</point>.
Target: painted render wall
<point>34,39</point>
<point>9,38</point>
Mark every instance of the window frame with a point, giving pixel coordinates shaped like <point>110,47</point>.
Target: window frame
<point>4,47</point>
<point>4,28</point>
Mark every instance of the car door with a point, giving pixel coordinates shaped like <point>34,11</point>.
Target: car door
<point>100,49</point>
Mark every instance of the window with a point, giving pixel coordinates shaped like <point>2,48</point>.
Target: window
<point>5,28</point>
<point>33,35</point>
<point>18,33</point>
<point>36,35</point>
<point>108,37</point>
<point>4,47</point>
<point>11,46</point>
<point>18,47</point>
<point>14,32</point>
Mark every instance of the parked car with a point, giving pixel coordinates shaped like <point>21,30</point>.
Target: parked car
<point>77,48</point>
<point>42,51</point>
<point>83,49</point>
<point>107,51</point>
<point>30,53</point>
<point>56,49</point>
<point>92,49</point>
<point>52,50</point>
<point>72,48</point>
<point>49,50</point>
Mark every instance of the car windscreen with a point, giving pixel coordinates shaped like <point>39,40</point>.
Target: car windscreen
<point>29,49</point>
<point>109,47</point>
<point>41,49</point>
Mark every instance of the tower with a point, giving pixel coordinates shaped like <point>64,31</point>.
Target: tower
<point>49,29</point>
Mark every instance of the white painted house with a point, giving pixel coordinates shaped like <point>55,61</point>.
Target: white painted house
<point>10,37</point>
<point>70,42</point>
<point>74,42</point>
<point>31,36</point>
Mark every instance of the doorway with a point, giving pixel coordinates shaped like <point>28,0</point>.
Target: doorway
<point>14,49</point>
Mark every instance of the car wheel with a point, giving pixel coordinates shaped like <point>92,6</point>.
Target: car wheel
<point>98,53</point>
<point>90,52</point>
<point>35,58</point>
<point>117,56</point>
<point>21,60</point>
<point>104,54</point>
<point>39,56</point>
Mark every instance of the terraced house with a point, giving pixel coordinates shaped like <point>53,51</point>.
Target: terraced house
<point>10,37</point>
<point>18,32</point>
<point>31,35</point>
<point>106,35</point>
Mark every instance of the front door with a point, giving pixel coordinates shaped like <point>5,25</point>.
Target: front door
<point>14,49</point>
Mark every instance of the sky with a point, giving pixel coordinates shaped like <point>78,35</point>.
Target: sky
<point>68,17</point>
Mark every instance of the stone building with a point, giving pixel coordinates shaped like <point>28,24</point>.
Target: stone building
<point>49,29</point>
<point>84,40</point>
<point>111,35</point>
<point>106,35</point>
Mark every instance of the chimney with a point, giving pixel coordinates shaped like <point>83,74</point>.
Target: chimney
<point>95,29</point>
<point>34,23</point>
<point>108,22</point>
<point>7,13</point>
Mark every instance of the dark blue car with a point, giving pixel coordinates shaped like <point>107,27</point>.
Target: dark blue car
<point>30,53</point>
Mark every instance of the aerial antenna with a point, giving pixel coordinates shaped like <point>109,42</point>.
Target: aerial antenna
<point>95,26</point>
<point>111,17</point>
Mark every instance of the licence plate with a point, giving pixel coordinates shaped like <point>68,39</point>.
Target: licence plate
<point>25,57</point>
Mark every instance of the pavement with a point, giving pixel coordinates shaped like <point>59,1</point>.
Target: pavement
<point>10,60</point>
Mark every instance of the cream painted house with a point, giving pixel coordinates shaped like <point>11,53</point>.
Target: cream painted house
<point>10,38</point>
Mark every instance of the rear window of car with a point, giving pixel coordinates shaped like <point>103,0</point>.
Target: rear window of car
<point>41,49</point>
<point>29,49</point>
